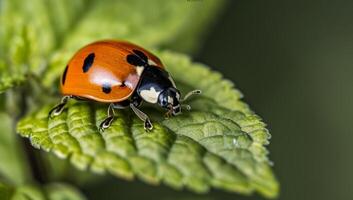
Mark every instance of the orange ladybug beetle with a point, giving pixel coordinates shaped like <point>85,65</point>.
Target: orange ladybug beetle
<point>123,75</point>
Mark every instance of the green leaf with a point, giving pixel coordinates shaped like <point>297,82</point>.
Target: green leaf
<point>53,191</point>
<point>219,144</point>
<point>39,34</point>
<point>12,165</point>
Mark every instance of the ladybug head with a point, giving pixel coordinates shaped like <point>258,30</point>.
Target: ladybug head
<point>170,99</point>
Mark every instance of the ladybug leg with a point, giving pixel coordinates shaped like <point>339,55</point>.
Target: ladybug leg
<point>186,106</point>
<point>107,121</point>
<point>57,110</point>
<point>147,122</point>
<point>189,94</point>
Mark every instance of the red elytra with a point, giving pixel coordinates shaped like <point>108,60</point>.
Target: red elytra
<point>122,74</point>
<point>100,71</point>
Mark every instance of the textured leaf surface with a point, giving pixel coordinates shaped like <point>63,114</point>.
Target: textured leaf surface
<point>39,33</point>
<point>54,191</point>
<point>219,144</point>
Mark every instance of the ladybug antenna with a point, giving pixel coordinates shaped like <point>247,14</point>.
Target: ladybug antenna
<point>189,94</point>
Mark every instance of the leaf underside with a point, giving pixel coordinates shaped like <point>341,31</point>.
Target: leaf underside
<point>53,191</point>
<point>218,144</point>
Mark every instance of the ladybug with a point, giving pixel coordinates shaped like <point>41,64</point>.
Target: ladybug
<point>122,75</point>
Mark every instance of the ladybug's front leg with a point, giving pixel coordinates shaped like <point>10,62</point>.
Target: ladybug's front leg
<point>147,122</point>
<point>107,121</point>
<point>57,110</point>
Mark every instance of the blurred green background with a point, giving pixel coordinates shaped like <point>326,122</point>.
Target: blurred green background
<point>293,60</point>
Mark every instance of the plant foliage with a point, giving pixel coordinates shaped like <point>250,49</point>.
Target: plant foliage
<point>220,143</point>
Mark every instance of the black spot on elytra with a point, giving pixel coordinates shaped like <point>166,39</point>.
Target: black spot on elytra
<point>137,59</point>
<point>87,63</point>
<point>134,60</point>
<point>141,55</point>
<point>106,88</point>
<point>64,75</point>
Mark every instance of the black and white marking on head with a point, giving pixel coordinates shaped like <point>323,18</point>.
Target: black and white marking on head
<point>137,59</point>
<point>87,63</point>
<point>170,100</point>
<point>150,95</point>
<point>177,95</point>
<point>63,79</point>
<point>106,88</point>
